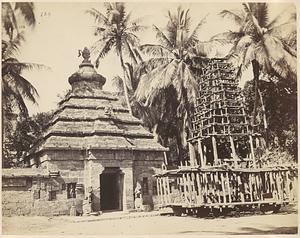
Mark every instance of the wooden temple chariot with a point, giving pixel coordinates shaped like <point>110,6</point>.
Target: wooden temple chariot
<point>224,170</point>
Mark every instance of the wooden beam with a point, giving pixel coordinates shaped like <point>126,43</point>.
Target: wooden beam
<point>168,189</point>
<point>202,164</point>
<point>204,155</point>
<point>278,182</point>
<point>165,158</point>
<point>267,181</point>
<point>217,185</point>
<point>179,183</point>
<point>223,188</point>
<point>192,154</point>
<point>239,185</point>
<point>193,182</point>
<point>255,186</point>
<point>260,186</point>
<point>215,150</point>
<point>185,188</point>
<point>228,186</point>
<point>205,180</point>
<point>189,185</point>
<point>288,192</point>
<point>252,150</point>
<point>212,184</point>
<point>158,190</point>
<point>200,195</point>
<point>272,186</point>
<point>161,191</point>
<point>250,187</point>
<point>165,190</point>
<point>234,155</point>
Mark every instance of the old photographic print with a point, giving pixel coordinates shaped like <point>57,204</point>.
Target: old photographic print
<point>149,118</point>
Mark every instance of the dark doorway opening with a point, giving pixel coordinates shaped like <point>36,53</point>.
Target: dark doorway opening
<point>111,189</point>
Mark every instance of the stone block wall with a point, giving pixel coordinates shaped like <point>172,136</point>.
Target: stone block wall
<point>16,203</point>
<point>30,197</point>
<point>146,164</point>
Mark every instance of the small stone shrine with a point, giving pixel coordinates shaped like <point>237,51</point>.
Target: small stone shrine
<point>91,156</point>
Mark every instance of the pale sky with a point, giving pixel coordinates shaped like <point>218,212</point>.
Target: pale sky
<point>64,28</point>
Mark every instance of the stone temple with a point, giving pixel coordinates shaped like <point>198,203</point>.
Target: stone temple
<point>92,156</point>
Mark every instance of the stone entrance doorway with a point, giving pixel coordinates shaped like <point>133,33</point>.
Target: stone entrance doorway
<point>111,189</point>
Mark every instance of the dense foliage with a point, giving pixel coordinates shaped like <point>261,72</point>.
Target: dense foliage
<point>281,113</point>
<point>27,132</point>
<point>261,43</point>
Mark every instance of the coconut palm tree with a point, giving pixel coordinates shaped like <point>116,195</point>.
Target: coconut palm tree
<point>15,88</point>
<point>116,31</point>
<point>261,43</point>
<point>170,66</point>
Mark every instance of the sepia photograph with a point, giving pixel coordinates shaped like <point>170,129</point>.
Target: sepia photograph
<point>149,118</point>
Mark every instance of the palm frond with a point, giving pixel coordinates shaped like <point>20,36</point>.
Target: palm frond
<point>156,50</point>
<point>9,19</point>
<point>130,52</point>
<point>27,10</point>
<point>25,88</point>
<point>232,14</point>
<point>13,96</point>
<point>25,66</point>
<point>225,38</point>
<point>9,48</point>
<point>242,44</point>
<point>104,51</point>
<point>153,63</point>
<point>261,14</point>
<point>131,38</point>
<point>193,38</point>
<point>162,38</point>
<point>283,29</point>
<point>98,16</point>
<point>142,91</point>
<point>160,80</point>
<point>138,55</point>
<point>291,41</point>
<point>136,28</point>
<point>127,18</point>
<point>277,19</point>
<point>289,49</point>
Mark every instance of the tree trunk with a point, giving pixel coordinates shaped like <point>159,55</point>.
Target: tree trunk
<point>124,83</point>
<point>263,110</point>
<point>188,112</point>
<point>255,68</point>
<point>179,145</point>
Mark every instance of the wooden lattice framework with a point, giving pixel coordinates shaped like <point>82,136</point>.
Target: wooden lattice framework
<point>223,171</point>
<point>221,131</point>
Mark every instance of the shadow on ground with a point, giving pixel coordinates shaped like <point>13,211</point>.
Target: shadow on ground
<point>250,231</point>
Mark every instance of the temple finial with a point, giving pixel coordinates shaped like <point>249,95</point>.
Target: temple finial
<point>85,53</point>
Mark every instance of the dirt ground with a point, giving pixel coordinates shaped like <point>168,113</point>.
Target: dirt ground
<point>284,223</point>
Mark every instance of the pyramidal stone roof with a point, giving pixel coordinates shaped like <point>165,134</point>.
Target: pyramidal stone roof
<point>90,118</point>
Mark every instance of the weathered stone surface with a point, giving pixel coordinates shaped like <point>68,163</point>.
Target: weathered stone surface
<point>91,132</point>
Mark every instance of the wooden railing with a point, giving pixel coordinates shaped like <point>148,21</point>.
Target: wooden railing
<point>190,187</point>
